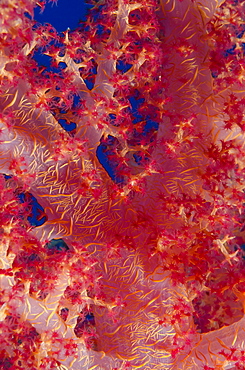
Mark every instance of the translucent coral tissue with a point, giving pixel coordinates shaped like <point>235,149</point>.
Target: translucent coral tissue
<point>122,180</point>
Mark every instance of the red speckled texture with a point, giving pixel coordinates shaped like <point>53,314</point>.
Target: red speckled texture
<point>153,273</point>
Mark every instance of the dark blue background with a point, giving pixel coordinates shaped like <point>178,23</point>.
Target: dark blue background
<point>65,14</point>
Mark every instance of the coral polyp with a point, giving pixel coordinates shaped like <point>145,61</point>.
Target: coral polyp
<point>122,187</point>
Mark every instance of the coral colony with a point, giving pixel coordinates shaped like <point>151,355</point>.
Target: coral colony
<point>122,222</point>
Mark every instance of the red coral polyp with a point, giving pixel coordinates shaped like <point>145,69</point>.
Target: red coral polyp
<point>122,187</point>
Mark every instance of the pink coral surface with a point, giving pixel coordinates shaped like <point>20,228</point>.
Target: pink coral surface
<point>142,269</point>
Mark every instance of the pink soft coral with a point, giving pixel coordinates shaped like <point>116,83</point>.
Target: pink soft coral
<point>149,273</point>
